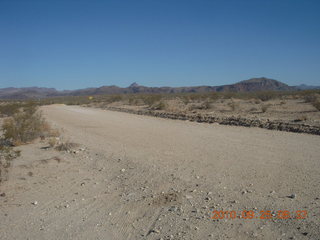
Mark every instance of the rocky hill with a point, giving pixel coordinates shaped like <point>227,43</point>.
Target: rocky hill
<point>256,84</point>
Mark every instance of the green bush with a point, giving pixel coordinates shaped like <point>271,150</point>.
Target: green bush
<point>24,126</point>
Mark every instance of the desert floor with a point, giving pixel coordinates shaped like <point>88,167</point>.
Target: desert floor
<point>140,177</point>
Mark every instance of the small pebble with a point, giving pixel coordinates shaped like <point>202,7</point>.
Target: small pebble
<point>292,196</point>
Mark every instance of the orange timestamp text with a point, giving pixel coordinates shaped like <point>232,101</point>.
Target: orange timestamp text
<point>249,214</point>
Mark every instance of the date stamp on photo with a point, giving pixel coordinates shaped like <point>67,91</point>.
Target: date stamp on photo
<point>245,214</point>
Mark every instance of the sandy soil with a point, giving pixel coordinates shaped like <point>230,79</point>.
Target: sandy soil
<point>139,177</point>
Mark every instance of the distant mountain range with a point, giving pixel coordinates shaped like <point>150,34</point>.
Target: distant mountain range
<point>251,85</point>
<point>307,87</point>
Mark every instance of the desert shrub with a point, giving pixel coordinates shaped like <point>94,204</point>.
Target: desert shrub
<point>114,98</point>
<point>8,109</point>
<point>132,101</point>
<point>257,101</point>
<point>313,99</point>
<point>265,96</point>
<point>265,107</point>
<point>53,141</point>
<point>253,109</point>
<point>316,104</point>
<point>310,98</point>
<point>233,105</point>
<point>24,126</point>
<point>303,118</point>
<point>205,105</point>
<point>185,99</point>
<point>7,154</point>
<point>151,99</point>
<point>159,106</point>
<point>66,146</point>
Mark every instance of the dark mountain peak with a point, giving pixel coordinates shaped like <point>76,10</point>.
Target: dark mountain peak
<point>260,84</point>
<point>259,80</point>
<point>134,85</point>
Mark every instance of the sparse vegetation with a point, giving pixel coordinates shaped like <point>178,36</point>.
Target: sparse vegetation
<point>9,109</point>
<point>265,96</point>
<point>253,109</point>
<point>150,99</point>
<point>24,126</point>
<point>257,101</point>
<point>310,98</point>
<point>23,123</point>
<point>313,99</point>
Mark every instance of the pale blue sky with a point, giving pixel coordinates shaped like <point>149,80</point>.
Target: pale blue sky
<point>74,44</point>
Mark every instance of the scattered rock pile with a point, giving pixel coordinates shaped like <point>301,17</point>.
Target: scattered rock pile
<point>233,120</point>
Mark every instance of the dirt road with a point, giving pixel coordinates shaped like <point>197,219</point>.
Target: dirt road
<point>141,177</point>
